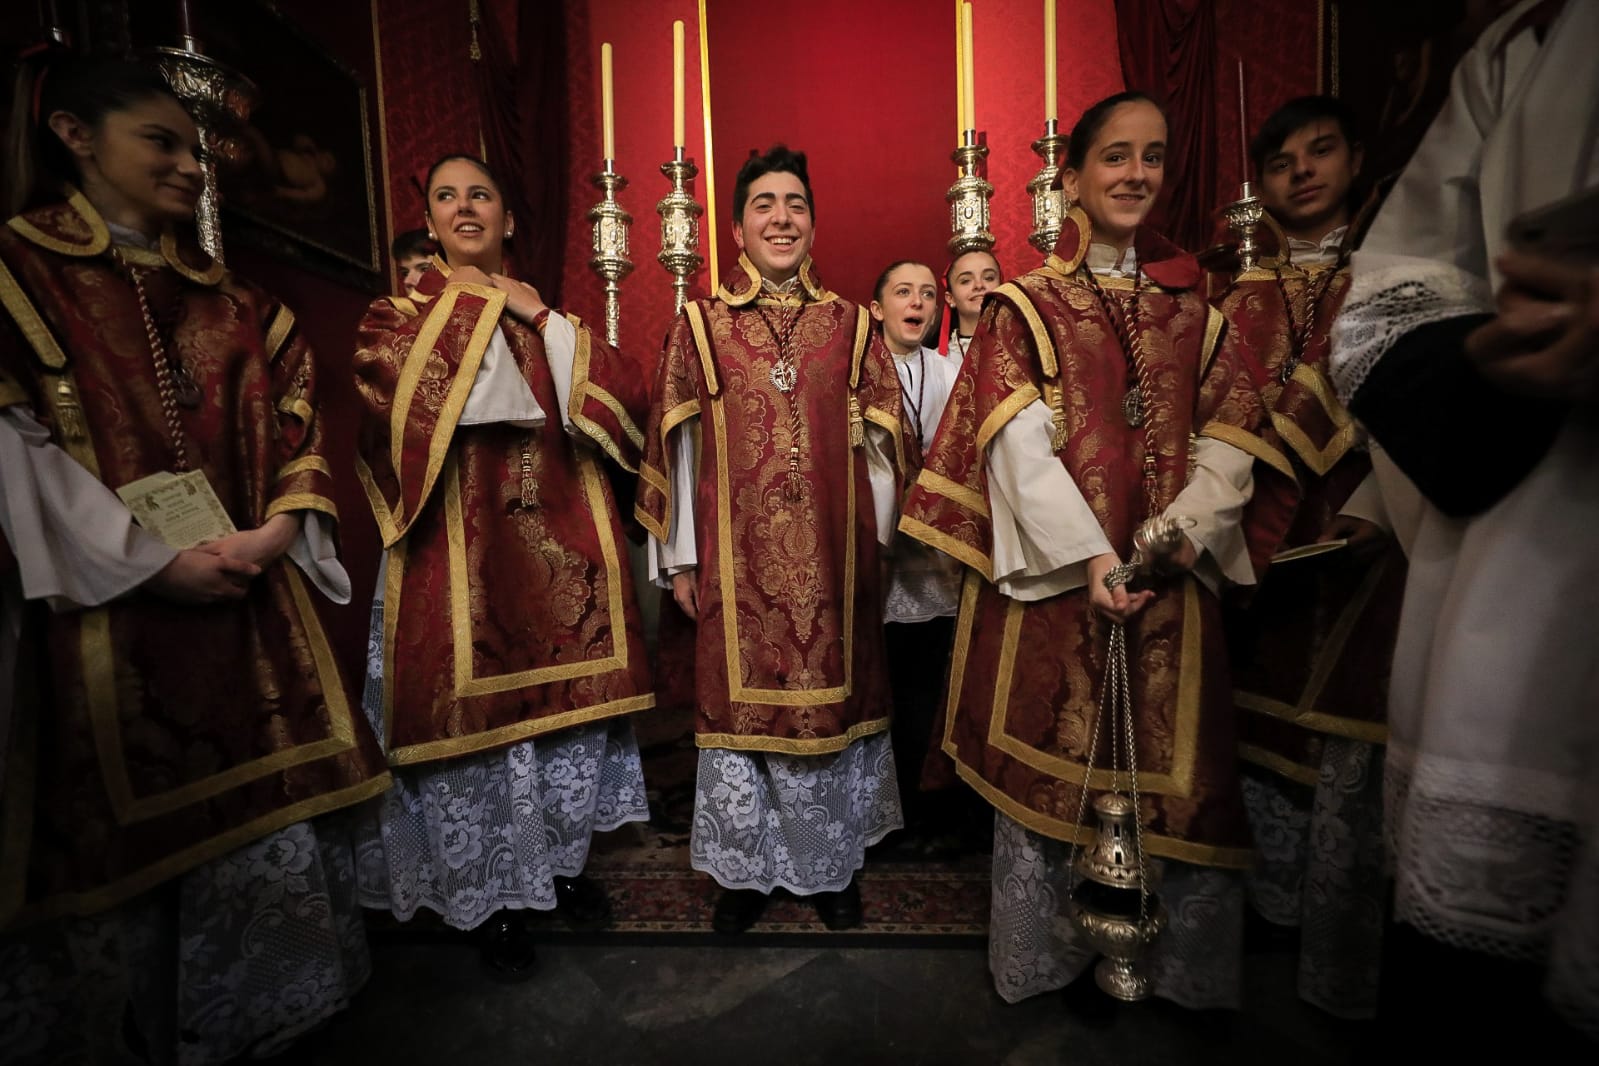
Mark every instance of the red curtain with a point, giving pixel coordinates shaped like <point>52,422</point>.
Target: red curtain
<point>1168,50</point>
<point>522,97</point>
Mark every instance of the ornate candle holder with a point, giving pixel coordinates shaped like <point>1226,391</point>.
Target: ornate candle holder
<point>1243,219</point>
<point>968,198</point>
<point>610,259</point>
<point>680,226</point>
<point>1049,203</point>
<point>220,100</point>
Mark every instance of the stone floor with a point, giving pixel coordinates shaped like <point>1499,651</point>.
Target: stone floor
<point>795,1006</point>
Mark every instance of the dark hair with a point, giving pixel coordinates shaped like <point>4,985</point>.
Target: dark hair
<point>88,89</point>
<point>413,242</point>
<point>427,185</point>
<point>1294,116</point>
<point>1093,121</point>
<point>882,279</point>
<point>949,271</point>
<point>778,159</point>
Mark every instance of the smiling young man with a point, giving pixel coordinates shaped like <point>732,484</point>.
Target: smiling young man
<point>768,487</point>
<point>1311,652</point>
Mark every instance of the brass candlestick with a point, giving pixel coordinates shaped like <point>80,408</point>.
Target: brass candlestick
<point>968,198</point>
<point>220,100</point>
<point>610,259</point>
<point>1243,219</point>
<point>1049,203</point>
<point>680,226</point>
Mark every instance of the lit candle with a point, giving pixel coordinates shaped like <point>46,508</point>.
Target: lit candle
<point>1243,126</point>
<point>1050,114</point>
<point>677,83</point>
<point>607,102</point>
<point>969,95</point>
<point>960,72</point>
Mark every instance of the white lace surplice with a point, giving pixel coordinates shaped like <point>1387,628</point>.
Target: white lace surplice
<point>469,836</point>
<point>800,822</point>
<point>1033,947</point>
<point>1493,762</point>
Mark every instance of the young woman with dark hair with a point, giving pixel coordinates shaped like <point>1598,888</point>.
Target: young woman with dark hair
<point>168,509</point>
<point>506,648</point>
<point>1100,392</point>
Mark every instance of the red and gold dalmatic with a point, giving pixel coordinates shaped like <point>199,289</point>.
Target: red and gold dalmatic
<point>153,736</point>
<point>508,610</point>
<point>1026,677</point>
<point>790,652</point>
<point>1312,650</point>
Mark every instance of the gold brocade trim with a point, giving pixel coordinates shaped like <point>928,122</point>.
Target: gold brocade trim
<point>298,407</point>
<point>1215,323</point>
<point>80,445</point>
<point>1119,284</point>
<point>301,501</point>
<point>404,304</point>
<point>99,899</point>
<point>1155,844</point>
<point>105,718</point>
<point>29,321</point>
<point>1041,337</point>
<point>1007,409</point>
<point>582,387</point>
<point>302,464</point>
<point>964,620</point>
<point>1178,781</point>
<point>696,322</point>
<point>468,683</point>
<point>393,585</point>
<point>1316,721</point>
<point>1078,218</point>
<point>453,747</point>
<point>951,490</point>
<point>737,691</point>
<point>387,529</point>
<point>807,277</point>
<point>460,385</point>
<point>654,478</point>
<point>278,332</point>
<point>1279,764</point>
<point>12,393</point>
<point>681,413</point>
<point>745,294</point>
<point>896,431</point>
<point>211,275</point>
<point>1321,460</point>
<point>1305,714</point>
<point>947,544</point>
<point>99,235</point>
<point>863,325</point>
<point>792,745</point>
<point>1246,441</point>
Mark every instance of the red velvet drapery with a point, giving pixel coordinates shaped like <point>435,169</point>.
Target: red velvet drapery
<point>1168,50</point>
<point>522,98</point>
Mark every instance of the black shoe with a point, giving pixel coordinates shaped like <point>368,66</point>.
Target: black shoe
<point>507,947</point>
<point>737,909</point>
<point>582,903</point>
<point>840,910</point>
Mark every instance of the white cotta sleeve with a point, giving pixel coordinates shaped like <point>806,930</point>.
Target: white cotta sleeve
<point>678,553</point>
<point>560,350</point>
<point>500,393</point>
<point>1223,481</point>
<point>75,541</point>
<point>880,472</point>
<point>1044,531</point>
<point>316,553</point>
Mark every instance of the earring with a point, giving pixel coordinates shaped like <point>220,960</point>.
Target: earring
<point>507,234</point>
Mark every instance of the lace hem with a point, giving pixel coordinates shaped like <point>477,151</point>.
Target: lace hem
<point>1389,297</point>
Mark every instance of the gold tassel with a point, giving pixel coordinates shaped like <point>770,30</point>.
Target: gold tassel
<point>69,413</point>
<point>857,427</point>
<point>1057,420</point>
